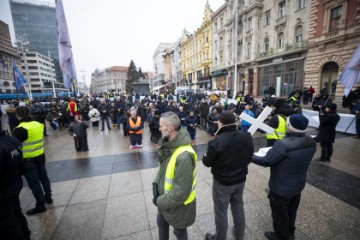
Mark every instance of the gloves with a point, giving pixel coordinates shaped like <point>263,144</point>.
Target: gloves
<point>155,193</point>
<point>155,201</point>
<point>155,190</point>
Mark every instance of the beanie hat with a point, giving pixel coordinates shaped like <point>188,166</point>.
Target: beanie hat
<point>279,102</point>
<point>157,112</point>
<point>331,106</point>
<point>297,123</point>
<point>227,117</point>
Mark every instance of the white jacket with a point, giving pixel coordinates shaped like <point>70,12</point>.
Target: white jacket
<point>94,115</point>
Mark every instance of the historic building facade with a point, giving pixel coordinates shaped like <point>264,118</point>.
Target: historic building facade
<point>334,36</point>
<point>268,44</point>
<point>109,79</point>
<point>196,49</point>
<point>8,55</point>
<point>159,65</point>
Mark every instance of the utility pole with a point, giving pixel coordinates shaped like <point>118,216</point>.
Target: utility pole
<point>83,75</point>
<point>236,48</point>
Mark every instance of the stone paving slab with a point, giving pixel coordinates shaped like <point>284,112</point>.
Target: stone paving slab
<point>106,193</point>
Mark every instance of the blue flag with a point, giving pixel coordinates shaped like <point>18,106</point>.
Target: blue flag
<point>19,80</point>
<point>65,53</point>
<point>351,73</point>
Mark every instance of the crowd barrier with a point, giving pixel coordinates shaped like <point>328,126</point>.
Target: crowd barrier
<point>346,124</point>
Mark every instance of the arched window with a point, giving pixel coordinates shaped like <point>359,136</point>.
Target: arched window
<point>266,44</point>
<point>6,84</point>
<point>281,40</point>
<point>299,34</point>
<point>249,49</point>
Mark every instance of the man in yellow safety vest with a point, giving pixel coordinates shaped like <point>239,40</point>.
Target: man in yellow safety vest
<point>30,134</point>
<point>175,194</point>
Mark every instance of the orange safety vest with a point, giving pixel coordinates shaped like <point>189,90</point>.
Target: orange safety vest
<point>135,125</point>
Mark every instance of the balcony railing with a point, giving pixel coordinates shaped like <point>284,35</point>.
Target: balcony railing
<point>280,21</point>
<point>287,48</point>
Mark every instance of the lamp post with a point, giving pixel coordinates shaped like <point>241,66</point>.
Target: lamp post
<point>236,49</point>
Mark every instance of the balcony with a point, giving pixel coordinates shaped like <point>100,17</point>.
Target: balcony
<point>252,5</point>
<point>296,47</point>
<point>280,21</point>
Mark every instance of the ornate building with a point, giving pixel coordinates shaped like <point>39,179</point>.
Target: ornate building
<point>8,55</point>
<point>196,49</point>
<point>334,36</point>
<point>267,45</point>
<point>109,79</point>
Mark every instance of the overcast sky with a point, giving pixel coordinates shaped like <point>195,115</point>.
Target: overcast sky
<point>105,33</point>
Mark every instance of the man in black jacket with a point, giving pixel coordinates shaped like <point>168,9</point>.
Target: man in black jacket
<point>13,224</point>
<point>289,160</point>
<point>328,121</point>
<point>229,155</point>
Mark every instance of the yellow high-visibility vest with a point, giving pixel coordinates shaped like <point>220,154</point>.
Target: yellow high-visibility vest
<point>170,170</point>
<point>280,131</point>
<point>33,146</point>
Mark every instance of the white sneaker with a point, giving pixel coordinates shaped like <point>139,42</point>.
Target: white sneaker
<point>139,146</point>
<point>131,147</point>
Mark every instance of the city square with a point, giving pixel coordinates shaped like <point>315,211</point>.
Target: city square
<point>106,193</point>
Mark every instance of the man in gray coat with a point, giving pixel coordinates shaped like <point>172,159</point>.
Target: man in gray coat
<point>174,185</point>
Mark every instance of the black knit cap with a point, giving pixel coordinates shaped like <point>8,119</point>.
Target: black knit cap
<point>331,106</point>
<point>227,117</point>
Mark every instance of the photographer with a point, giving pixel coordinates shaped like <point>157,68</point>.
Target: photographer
<point>328,121</point>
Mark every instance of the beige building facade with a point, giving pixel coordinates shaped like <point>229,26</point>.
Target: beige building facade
<point>196,50</point>
<point>334,36</point>
<point>110,79</point>
<point>268,45</point>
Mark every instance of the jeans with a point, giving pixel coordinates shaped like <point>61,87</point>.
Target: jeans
<point>223,196</point>
<point>192,135</point>
<point>39,183</point>
<point>118,116</point>
<point>163,225</point>
<point>326,151</point>
<point>105,118</point>
<point>283,212</point>
<point>13,224</point>
<point>135,139</point>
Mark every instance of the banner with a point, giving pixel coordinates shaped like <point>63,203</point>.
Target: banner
<point>19,80</point>
<point>65,53</point>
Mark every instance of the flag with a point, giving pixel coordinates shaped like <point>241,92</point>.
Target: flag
<point>65,53</point>
<point>351,73</point>
<point>19,80</point>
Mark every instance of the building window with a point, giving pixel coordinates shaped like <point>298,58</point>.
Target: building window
<point>250,23</point>
<point>299,34</point>
<point>249,49</point>
<point>335,17</point>
<point>215,45</point>
<point>216,27</point>
<point>300,4</point>
<point>280,40</point>
<point>267,18</point>
<point>281,9</point>
<point>221,22</point>
<point>266,44</point>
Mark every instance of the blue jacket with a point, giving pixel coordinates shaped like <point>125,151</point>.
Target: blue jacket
<point>289,160</point>
<point>248,112</point>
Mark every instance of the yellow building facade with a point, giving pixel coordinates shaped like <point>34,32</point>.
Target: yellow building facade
<point>196,58</point>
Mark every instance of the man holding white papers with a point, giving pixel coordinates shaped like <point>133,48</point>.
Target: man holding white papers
<point>289,160</point>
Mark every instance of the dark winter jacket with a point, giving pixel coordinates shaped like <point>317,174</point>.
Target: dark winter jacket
<point>182,116</point>
<point>79,129</point>
<point>289,160</point>
<point>328,122</point>
<point>191,121</point>
<point>104,107</point>
<point>124,119</point>
<point>154,126</point>
<point>229,155</point>
<point>171,204</point>
<point>204,109</point>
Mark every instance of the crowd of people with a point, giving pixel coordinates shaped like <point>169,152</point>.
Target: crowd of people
<point>173,122</point>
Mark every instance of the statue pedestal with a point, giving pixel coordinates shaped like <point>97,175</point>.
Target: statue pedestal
<point>141,88</point>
